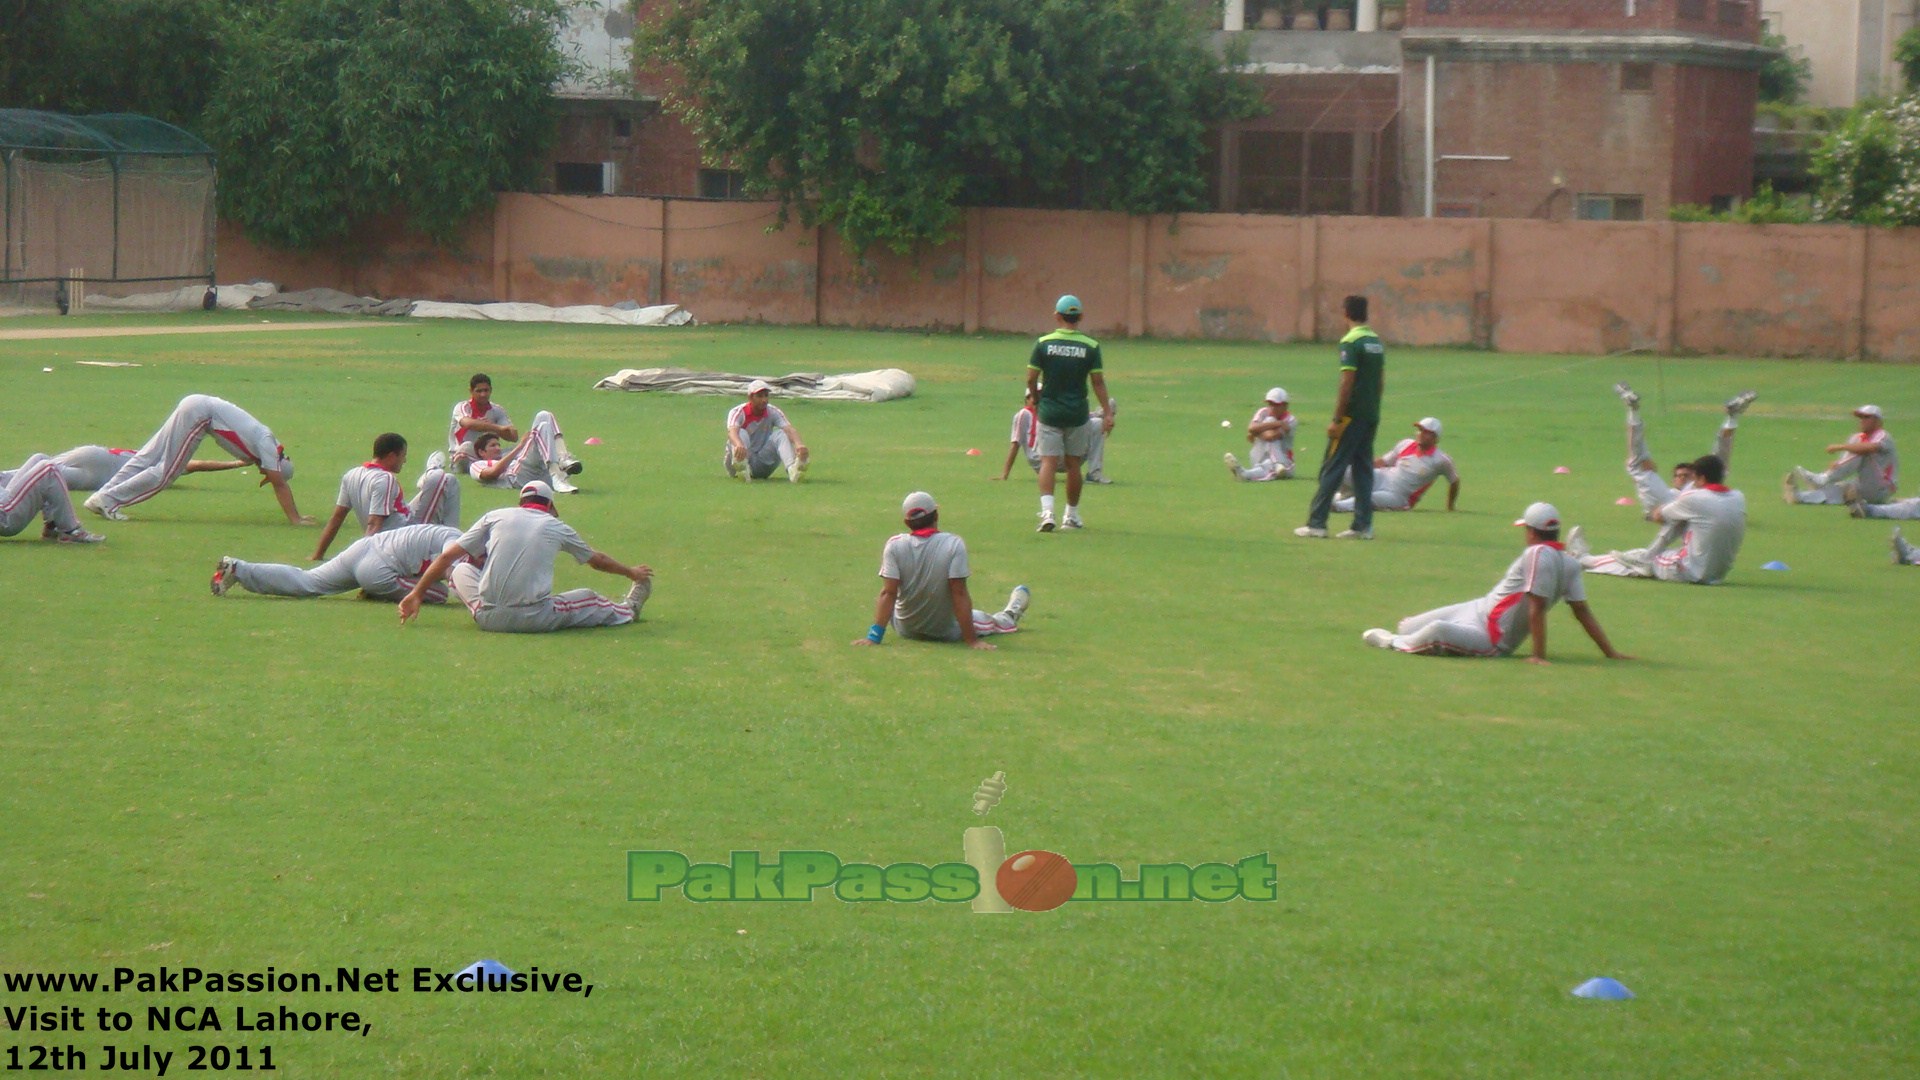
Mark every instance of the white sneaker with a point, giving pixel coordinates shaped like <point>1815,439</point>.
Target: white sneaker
<point>1903,552</point>
<point>1310,532</point>
<point>1072,521</point>
<point>1627,395</point>
<point>1046,521</point>
<point>799,468</point>
<point>564,488</point>
<point>572,466</point>
<point>1351,534</point>
<point>1017,603</point>
<point>1738,403</point>
<point>636,597</point>
<point>223,575</point>
<point>1098,478</point>
<point>99,506</point>
<point>1789,490</point>
<point>1577,542</point>
<point>77,536</point>
<point>1233,465</point>
<point>1378,638</point>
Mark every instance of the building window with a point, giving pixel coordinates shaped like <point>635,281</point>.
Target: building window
<point>723,184</point>
<point>1693,9</point>
<point>1610,208</point>
<point>1720,204</point>
<point>583,177</point>
<point>1636,78</point>
<point>1733,12</point>
<point>623,127</point>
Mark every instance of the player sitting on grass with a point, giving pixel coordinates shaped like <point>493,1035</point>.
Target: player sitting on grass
<point>1652,491</point>
<point>1406,472</point>
<point>371,492</point>
<point>923,575</point>
<point>542,456</point>
<point>35,488</point>
<point>1271,433</point>
<point>474,417</point>
<point>760,438</point>
<point>1868,469</point>
<point>1708,520</point>
<point>383,566</point>
<point>1499,622</point>
<point>514,592</point>
<point>1025,437</point>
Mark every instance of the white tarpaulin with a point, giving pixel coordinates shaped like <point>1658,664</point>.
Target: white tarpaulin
<point>658,315</point>
<point>185,298</point>
<point>884,384</point>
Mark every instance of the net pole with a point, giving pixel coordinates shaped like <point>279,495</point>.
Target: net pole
<point>115,162</point>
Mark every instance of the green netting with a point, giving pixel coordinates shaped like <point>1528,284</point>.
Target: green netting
<point>104,133</point>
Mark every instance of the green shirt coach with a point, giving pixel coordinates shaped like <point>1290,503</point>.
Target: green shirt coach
<point>1064,359</point>
<point>1058,373</point>
<point>1362,354</point>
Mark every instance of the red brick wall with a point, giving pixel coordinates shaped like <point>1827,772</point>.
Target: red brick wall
<point>1712,153</point>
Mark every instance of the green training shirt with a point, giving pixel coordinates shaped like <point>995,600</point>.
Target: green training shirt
<point>1362,354</point>
<point>1064,359</point>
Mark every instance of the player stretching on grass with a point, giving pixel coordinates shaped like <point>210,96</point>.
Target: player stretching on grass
<point>88,468</point>
<point>1652,491</point>
<point>1408,470</point>
<point>36,488</point>
<point>1271,433</point>
<point>1058,372</point>
<point>155,466</point>
<point>514,593</point>
<point>760,438</point>
<point>1868,469</point>
<point>384,566</point>
<point>371,492</point>
<point>474,417</point>
<point>923,574</point>
<point>1499,622</point>
<point>1709,520</point>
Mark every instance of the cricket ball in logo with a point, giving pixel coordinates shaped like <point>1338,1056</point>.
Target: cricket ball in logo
<point>1036,880</point>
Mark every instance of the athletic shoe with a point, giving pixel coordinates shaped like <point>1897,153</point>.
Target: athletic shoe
<point>1046,521</point>
<point>1788,490</point>
<point>636,597</point>
<point>1233,465</point>
<point>563,488</point>
<point>1738,403</point>
<point>223,575</point>
<point>572,467</point>
<point>1351,534</point>
<point>1856,505</point>
<point>99,506</point>
<point>1098,478</point>
<point>1310,532</point>
<point>1378,638</point>
<point>1072,521</point>
<point>1577,542</point>
<point>78,536</point>
<point>1903,552</point>
<point>799,469</point>
<point>48,531</point>
<point>1017,603</point>
<point>1627,395</point>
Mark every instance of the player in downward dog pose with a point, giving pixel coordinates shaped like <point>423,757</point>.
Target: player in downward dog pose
<point>1652,491</point>
<point>1709,520</point>
<point>384,566</point>
<point>1271,433</point>
<point>88,468</point>
<point>1499,622</point>
<point>371,492</point>
<point>1408,470</point>
<point>155,466</point>
<point>1868,469</point>
<point>923,590</point>
<point>514,592</point>
<point>760,438</point>
<point>35,488</point>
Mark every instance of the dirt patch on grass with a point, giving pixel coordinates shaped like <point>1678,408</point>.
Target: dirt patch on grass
<point>140,331</point>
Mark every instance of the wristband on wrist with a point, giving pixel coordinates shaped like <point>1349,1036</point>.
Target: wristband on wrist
<point>876,632</point>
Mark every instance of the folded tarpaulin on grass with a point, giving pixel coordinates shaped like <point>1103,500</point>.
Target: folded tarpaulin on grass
<point>185,298</point>
<point>884,384</point>
<point>593,314</point>
<point>330,302</point>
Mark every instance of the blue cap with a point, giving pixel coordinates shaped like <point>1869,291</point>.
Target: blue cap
<point>1067,305</point>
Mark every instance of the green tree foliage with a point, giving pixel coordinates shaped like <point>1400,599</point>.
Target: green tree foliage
<point>1868,169</point>
<point>1786,76</point>
<point>92,56</point>
<point>1767,207</point>
<point>330,112</point>
<point>885,117</point>
<point>1906,53</point>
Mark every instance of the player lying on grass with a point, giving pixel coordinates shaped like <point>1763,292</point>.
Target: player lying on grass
<point>923,586</point>
<point>1707,520</point>
<point>35,489</point>
<point>383,566</point>
<point>543,457</point>
<point>1652,491</point>
<point>512,592</point>
<point>154,467</point>
<point>1271,433</point>
<point>1499,622</point>
<point>1868,464</point>
<point>371,492</point>
<point>760,438</point>
<point>1405,473</point>
<point>87,468</point>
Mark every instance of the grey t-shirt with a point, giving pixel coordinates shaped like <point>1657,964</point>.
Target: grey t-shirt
<point>924,565</point>
<point>520,545</point>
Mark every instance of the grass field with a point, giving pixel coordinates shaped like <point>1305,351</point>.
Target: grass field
<point>1725,824</point>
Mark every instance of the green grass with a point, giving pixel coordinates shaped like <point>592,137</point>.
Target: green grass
<point>1726,824</point>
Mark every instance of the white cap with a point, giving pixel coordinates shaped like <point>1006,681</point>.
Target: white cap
<point>918,503</point>
<point>1429,424</point>
<point>758,385</point>
<point>1277,395</point>
<point>1868,410</point>
<point>536,489</point>
<point>285,465</point>
<point>1540,516</point>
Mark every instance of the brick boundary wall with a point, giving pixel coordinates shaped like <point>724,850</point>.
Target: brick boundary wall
<point>1506,284</point>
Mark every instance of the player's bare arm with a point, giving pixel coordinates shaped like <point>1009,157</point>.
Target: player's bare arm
<point>607,564</point>
<point>1860,448</point>
<point>284,493</point>
<point>883,607</point>
<point>799,448</point>
<point>1537,628</point>
<point>1592,626</point>
<point>1013,451</point>
<point>327,534</point>
<point>963,614</point>
<point>201,465</point>
<point>434,574</point>
<point>1453,493</point>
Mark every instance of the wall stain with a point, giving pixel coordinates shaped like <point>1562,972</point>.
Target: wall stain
<point>1000,265</point>
<point>1187,273</point>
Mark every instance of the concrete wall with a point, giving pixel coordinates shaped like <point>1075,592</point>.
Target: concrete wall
<point>1512,285</point>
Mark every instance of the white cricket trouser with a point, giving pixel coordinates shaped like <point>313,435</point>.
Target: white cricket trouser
<point>1096,447</point>
<point>1266,461</point>
<point>1829,488</point>
<point>438,500</point>
<point>1901,510</point>
<point>1383,499</point>
<point>576,607</point>
<point>544,456</point>
<point>1454,630</point>
<point>984,625</point>
<point>1640,563</point>
<point>164,458</point>
<point>358,567</point>
<point>775,451</point>
<point>36,490</point>
<point>87,468</point>
<point>1650,487</point>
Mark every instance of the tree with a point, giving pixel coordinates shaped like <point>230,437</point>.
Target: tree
<point>1906,54</point>
<point>1868,169</point>
<point>885,117</point>
<point>330,112</point>
<point>90,56</point>
<point>1786,76</point>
